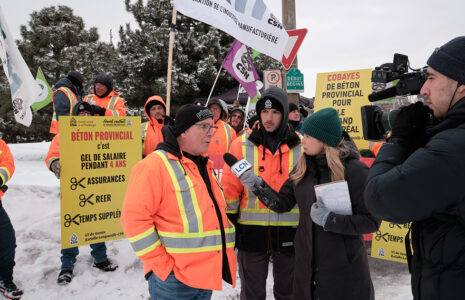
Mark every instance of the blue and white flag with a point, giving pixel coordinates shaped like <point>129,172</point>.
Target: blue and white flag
<point>23,87</point>
<point>249,21</point>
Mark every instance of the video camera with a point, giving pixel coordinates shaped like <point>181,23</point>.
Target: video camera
<point>375,122</point>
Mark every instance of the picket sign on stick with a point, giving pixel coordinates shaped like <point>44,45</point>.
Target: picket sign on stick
<point>214,83</point>
<point>170,61</point>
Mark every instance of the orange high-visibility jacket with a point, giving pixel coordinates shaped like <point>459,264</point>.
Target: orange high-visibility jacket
<point>221,141</point>
<point>112,102</point>
<point>172,224</point>
<point>273,169</point>
<point>151,130</point>
<point>7,164</point>
<point>374,147</point>
<point>53,151</point>
<point>72,100</point>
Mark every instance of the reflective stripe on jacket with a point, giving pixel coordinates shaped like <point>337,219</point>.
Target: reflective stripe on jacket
<point>222,139</point>
<point>172,224</point>
<point>7,164</point>
<point>72,100</point>
<point>112,102</point>
<point>274,169</point>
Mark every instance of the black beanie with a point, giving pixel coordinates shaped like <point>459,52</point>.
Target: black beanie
<point>292,107</point>
<point>105,79</point>
<point>82,106</point>
<point>449,59</point>
<point>76,78</point>
<point>269,103</point>
<point>188,115</point>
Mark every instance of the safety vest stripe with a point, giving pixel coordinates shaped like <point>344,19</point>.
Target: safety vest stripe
<point>4,174</point>
<point>144,127</point>
<point>71,98</point>
<point>227,129</point>
<point>294,155</point>
<point>111,105</point>
<point>187,243</point>
<point>183,192</point>
<point>51,160</point>
<point>252,214</point>
<point>144,240</point>
<point>148,249</point>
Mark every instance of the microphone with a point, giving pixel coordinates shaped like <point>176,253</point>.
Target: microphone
<point>242,170</point>
<point>387,93</point>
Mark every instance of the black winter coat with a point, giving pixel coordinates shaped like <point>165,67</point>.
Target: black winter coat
<point>427,187</point>
<point>331,262</point>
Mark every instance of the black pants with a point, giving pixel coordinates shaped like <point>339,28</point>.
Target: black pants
<point>253,271</point>
<point>7,247</point>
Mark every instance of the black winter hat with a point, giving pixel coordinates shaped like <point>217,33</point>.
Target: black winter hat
<point>292,107</point>
<point>188,115</point>
<point>269,99</point>
<point>449,59</point>
<point>82,106</point>
<point>76,78</point>
<point>105,79</point>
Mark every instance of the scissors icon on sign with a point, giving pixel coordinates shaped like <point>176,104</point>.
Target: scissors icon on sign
<point>392,225</point>
<point>380,235</point>
<point>68,220</point>
<point>83,199</point>
<point>75,183</point>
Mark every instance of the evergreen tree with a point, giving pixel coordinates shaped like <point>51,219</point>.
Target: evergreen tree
<point>198,53</point>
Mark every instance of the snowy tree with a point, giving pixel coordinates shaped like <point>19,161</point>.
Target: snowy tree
<point>199,51</point>
<point>56,40</point>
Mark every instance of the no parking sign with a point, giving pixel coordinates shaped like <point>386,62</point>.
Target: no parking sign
<point>272,78</point>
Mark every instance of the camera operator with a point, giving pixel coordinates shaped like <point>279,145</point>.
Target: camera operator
<point>419,176</point>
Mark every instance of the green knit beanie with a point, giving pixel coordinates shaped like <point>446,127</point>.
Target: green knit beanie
<point>325,126</point>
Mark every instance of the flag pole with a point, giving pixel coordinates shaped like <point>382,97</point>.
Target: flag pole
<point>170,61</point>
<point>214,83</point>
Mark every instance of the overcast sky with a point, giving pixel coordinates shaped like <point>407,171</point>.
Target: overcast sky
<point>342,35</point>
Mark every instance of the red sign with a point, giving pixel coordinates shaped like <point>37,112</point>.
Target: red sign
<point>296,37</point>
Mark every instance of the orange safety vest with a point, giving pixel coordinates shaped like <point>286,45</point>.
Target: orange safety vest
<point>112,102</point>
<point>53,151</point>
<point>171,222</point>
<point>241,200</point>
<point>222,139</point>
<point>151,130</point>
<point>7,164</point>
<point>72,100</point>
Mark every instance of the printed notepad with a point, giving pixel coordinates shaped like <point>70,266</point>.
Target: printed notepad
<point>335,196</point>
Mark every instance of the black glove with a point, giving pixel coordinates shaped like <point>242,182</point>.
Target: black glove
<point>410,125</point>
<point>168,120</point>
<point>98,110</point>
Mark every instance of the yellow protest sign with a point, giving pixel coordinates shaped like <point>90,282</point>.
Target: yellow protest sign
<point>389,242</point>
<point>346,92</point>
<point>96,155</point>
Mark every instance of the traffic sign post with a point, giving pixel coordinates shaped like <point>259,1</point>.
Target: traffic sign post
<point>272,78</point>
<point>294,81</point>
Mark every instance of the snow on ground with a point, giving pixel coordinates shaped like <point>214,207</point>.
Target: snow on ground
<point>32,202</point>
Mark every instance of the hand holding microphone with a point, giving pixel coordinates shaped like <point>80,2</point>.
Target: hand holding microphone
<point>243,170</point>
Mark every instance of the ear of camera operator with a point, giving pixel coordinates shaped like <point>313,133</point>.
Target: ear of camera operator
<point>418,176</point>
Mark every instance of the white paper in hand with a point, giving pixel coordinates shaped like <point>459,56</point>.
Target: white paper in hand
<point>335,196</point>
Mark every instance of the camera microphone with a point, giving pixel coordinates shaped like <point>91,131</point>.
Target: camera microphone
<point>384,94</point>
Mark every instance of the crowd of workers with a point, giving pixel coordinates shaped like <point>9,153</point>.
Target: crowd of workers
<point>193,220</point>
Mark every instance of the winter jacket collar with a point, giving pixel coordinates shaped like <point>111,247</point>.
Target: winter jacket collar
<point>169,144</point>
<point>454,117</point>
<point>289,137</point>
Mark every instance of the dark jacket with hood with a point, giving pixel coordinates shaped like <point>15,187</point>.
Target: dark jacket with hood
<point>331,262</point>
<point>272,239</point>
<point>61,101</point>
<point>427,187</point>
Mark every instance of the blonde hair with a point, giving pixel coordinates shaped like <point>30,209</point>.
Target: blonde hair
<point>333,158</point>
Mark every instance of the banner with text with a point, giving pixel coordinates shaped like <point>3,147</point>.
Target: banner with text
<point>347,92</point>
<point>249,21</point>
<point>389,242</point>
<point>96,155</point>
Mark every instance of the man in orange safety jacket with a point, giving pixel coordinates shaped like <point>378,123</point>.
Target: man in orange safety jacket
<point>222,139</point>
<point>263,235</point>
<point>7,233</point>
<point>174,213</point>
<point>155,110</point>
<point>106,101</point>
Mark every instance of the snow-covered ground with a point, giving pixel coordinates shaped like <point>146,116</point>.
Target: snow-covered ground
<point>32,202</point>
